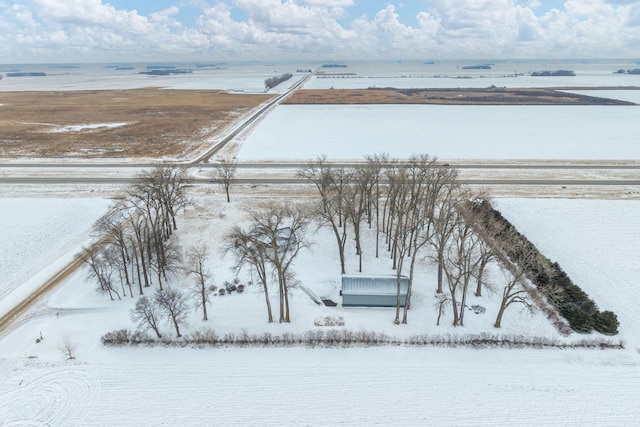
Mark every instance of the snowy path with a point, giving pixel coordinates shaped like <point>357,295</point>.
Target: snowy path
<point>359,386</point>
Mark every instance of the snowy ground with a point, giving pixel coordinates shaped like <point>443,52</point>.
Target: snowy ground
<point>448,132</point>
<point>595,241</point>
<point>354,386</point>
<point>246,78</point>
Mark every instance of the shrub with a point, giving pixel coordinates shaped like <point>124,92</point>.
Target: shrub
<point>580,320</point>
<point>330,321</point>
<point>120,337</point>
<point>206,336</point>
<point>606,322</point>
<point>140,337</point>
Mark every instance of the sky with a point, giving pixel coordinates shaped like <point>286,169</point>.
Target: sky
<point>74,31</point>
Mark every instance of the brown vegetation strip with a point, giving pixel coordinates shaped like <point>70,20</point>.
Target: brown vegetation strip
<point>159,123</point>
<point>475,96</point>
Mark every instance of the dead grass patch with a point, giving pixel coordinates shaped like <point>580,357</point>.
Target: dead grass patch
<point>479,96</point>
<point>159,123</point>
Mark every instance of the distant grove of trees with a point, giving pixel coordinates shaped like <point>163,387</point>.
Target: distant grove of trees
<point>272,82</point>
<point>553,73</point>
<point>631,71</point>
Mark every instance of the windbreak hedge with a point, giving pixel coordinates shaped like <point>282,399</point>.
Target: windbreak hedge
<point>571,302</point>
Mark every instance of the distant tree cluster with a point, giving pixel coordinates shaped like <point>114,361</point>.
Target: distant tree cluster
<point>555,73</point>
<point>631,71</point>
<point>272,82</point>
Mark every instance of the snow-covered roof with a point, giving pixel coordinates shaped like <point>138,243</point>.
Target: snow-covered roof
<point>285,236</point>
<point>373,285</point>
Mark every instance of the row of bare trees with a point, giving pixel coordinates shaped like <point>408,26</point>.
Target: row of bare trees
<point>137,247</point>
<point>414,205</point>
<point>137,250</point>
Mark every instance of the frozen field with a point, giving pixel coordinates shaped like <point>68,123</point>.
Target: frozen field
<point>348,132</point>
<point>38,235</point>
<point>247,78</point>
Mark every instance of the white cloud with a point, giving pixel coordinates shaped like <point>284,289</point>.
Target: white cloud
<point>327,3</point>
<point>32,30</point>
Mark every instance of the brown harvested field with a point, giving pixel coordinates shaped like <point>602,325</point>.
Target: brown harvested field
<point>488,96</point>
<point>136,123</point>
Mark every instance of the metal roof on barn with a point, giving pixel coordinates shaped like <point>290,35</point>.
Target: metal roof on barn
<point>374,285</point>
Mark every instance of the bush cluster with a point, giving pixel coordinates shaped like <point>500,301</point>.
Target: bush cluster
<point>347,338</point>
<point>571,302</point>
<point>330,321</point>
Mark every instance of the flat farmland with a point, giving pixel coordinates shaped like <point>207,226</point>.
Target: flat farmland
<point>148,123</point>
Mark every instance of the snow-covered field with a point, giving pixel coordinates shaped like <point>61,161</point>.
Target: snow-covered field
<point>448,132</point>
<point>247,78</point>
<point>352,386</point>
<point>595,241</point>
<point>38,236</point>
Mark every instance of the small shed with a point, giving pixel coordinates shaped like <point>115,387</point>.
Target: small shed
<point>373,291</point>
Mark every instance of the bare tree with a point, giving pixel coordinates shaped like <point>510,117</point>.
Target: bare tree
<point>101,265</point>
<point>462,257</point>
<point>68,348</point>
<point>375,165</point>
<point>249,250</point>
<point>138,240</point>
<point>166,185</point>
<point>197,257</point>
<point>174,306</point>
<point>443,222</point>
<point>148,314</point>
<point>225,172</point>
<point>487,255</point>
<point>516,291</point>
<point>441,304</point>
<point>281,229</point>
<point>331,185</point>
<point>113,226</point>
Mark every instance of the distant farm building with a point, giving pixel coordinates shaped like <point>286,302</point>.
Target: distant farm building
<point>285,238</point>
<point>373,291</point>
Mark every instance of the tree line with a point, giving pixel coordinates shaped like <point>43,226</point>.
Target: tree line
<point>138,251</point>
<point>274,81</point>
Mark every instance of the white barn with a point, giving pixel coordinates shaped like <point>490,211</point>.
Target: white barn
<point>373,291</point>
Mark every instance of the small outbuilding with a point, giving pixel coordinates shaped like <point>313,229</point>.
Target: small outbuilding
<point>373,291</point>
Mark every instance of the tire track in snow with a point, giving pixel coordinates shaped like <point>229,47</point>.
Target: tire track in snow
<point>57,397</point>
<point>369,386</point>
